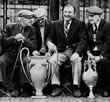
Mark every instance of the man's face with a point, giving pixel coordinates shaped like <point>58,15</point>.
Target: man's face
<point>28,21</point>
<point>93,18</point>
<point>41,20</point>
<point>68,13</point>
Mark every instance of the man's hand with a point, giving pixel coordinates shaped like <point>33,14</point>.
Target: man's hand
<point>90,55</point>
<point>74,57</point>
<point>36,53</point>
<point>51,46</point>
<point>19,37</point>
<point>97,58</point>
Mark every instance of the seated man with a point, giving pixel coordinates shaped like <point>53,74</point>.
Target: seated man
<point>14,35</point>
<point>43,28</point>
<point>98,46</point>
<point>68,37</point>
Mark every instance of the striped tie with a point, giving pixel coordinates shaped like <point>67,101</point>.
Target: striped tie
<point>94,32</point>
<point>66,28</point>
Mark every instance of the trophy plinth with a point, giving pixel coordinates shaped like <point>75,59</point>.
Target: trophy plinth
<point>90,75</point>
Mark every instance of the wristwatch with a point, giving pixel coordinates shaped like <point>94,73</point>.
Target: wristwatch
<point>101,57</point>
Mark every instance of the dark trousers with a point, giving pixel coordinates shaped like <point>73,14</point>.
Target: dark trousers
<point>104,74</point>
<point>5,61</point>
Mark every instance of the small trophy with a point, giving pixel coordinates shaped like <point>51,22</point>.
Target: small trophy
<point>90,75</point>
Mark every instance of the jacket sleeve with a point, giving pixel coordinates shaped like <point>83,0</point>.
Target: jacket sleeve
<point>52,35</point>
<point>31,42</point>
<point>7,38</point>
<point>83,39</point>
<point>106,46</point>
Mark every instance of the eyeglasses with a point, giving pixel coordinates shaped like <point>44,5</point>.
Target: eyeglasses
<point>40,19</point>
<point>29,17</point>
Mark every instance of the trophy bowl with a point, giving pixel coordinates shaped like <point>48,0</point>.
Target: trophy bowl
<point>38,72</point>
<point>90,75</point>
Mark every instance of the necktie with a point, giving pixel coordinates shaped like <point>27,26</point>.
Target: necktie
<point>94,32</point>
<point>66,28</point>
<point>94,36</point>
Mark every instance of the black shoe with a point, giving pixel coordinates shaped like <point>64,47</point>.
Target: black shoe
<point>85,93</point>
<point>76,91</point>
<point>56,91</point>
<point>105,94</point>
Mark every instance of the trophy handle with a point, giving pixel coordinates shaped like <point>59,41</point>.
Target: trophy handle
<point>22,66</point>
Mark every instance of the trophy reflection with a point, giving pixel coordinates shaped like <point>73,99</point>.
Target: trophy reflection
<point>90,75</point>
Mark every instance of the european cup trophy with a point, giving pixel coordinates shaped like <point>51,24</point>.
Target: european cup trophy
<point>90,75</point>
<point>39,73</point>
<point>39,70</point>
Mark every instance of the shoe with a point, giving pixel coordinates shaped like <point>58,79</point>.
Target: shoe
<point>85,93</point>
<point>56,91</point>
<point>76,91</point>
<point>105,94</point>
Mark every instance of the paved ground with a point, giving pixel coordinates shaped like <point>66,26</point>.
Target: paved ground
<point>55,99</point>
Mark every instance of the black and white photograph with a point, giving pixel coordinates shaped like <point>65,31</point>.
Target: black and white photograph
<point>54,50</point>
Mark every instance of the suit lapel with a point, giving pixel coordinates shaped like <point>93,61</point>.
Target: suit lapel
<point>61,28</point>
<point>90,30</point>
<point>71,31</point>
<point>45,28</point>
<point>100,28</point>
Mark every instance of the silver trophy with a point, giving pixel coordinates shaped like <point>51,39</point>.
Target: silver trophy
<point>90,75</point>
<point>39,70</point>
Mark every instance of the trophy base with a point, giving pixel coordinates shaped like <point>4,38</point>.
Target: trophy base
<point>39,96</point>
<point>91,96</point>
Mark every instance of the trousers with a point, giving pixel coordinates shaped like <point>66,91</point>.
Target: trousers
<point>56,60</point>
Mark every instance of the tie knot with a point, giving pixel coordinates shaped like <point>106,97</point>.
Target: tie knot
<point>67,22</point>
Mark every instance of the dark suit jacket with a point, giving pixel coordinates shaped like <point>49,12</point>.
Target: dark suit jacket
<point>76,39</point>
<point>102,38</point>
<point>47,30</point>
<point>10,45</point>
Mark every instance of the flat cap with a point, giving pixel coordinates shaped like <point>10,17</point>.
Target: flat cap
<point>40,12</point>
<point>94,10</point>
<point>25,14</point>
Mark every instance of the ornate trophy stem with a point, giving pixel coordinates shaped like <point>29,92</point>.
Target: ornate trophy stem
<point>91,95</point>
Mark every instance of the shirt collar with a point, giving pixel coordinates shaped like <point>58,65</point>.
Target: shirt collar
<point>98,23</point>
<point>69,22</point>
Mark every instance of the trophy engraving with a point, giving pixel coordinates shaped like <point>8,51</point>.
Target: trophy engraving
<point>90,75</point>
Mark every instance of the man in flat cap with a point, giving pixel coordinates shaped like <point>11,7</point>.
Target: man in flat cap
<point>43,28</point>
<point>14,35</point>
<point>99,46</point>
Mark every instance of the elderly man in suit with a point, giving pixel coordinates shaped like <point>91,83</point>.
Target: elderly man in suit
<point>43,28</point>
<point>14,35</point>
<point>68,37</point>
<point>99,46</point>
